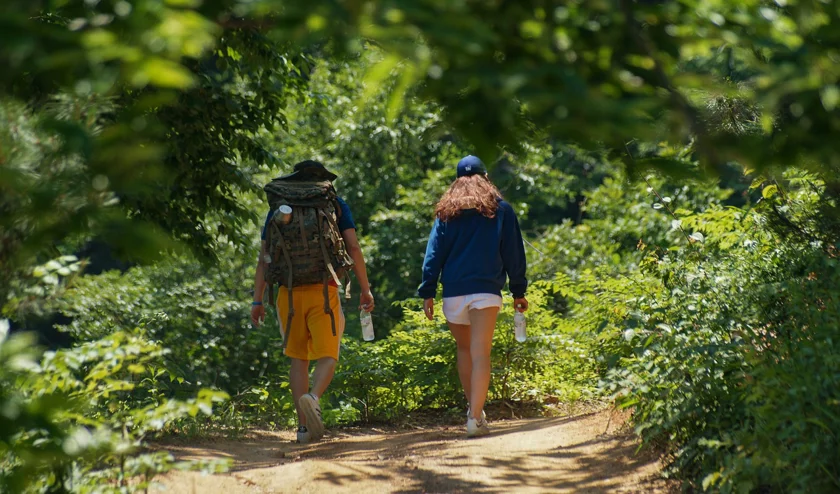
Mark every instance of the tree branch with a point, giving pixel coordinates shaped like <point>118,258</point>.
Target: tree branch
<point>678,100</point>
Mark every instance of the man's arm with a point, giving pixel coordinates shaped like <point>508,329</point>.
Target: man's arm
<point>351,241</point>
<point>258,310</point>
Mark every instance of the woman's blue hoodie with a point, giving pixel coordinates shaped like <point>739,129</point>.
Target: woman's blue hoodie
<point>475,253</point>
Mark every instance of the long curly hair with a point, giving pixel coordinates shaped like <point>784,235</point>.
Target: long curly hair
<point>470,192</point>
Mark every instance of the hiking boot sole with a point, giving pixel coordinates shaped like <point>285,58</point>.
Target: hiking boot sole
<point>312,411</point>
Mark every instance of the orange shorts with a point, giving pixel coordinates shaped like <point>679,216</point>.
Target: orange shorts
<point>311,336</point>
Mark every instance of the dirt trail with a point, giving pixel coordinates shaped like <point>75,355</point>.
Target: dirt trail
<point>572,454</point>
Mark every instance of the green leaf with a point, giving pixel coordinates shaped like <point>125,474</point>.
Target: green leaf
<point>376,76</point>
<point>136,369</point>
<point>830,96</point>
<point>184,3</point>
<point>770,191</point>
<point>163,73</point>
<point>710,480</point>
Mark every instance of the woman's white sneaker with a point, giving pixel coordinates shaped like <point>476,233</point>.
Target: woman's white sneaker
<point>483,415</point>
<point>477,427</point>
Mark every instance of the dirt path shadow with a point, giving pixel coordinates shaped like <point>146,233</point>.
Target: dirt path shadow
<point>573,454</point>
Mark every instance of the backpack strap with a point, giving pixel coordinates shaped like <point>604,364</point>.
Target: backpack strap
<point>327,308</point>
<point>271,298</point>
<point>330,219</point>
<point>347,286</point>
<point>335,225</point>
<point>291,313</point>
<point>337,206</point>
<point>281,245</point>
<point>327,260</point>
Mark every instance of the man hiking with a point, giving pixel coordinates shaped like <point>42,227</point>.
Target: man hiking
<point>308,244</point>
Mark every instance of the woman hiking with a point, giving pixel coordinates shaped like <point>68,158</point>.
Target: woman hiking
<point>476,244</point>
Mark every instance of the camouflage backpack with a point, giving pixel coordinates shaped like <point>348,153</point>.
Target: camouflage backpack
<point>307,247</point>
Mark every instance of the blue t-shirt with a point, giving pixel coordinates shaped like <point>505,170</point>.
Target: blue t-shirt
<point>344,223</point>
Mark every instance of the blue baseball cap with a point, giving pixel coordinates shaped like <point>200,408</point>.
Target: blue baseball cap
<point>470,165</point>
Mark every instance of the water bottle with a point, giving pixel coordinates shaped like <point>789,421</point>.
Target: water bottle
<point>284,214</point>
<point>367,325</point>
<point>519,326</point>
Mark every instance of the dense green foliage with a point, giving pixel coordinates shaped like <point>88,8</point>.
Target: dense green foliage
<point>672,164</point>
<point>77,419</point>
<point>725,348</point>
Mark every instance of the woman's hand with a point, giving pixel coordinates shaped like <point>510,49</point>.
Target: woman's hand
<point>520,304</point>
<point>429,308</point>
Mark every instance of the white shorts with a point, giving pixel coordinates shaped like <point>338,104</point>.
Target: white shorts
<point>457,309</point>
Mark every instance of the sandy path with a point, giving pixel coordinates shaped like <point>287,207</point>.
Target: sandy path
<point>572,454</point>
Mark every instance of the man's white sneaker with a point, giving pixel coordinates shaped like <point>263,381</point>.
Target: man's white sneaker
<point>477,428</point>
<point>303,435</point>
<point>312,411</point>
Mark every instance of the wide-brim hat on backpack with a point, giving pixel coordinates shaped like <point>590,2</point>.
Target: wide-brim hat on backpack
<point>309,170</point>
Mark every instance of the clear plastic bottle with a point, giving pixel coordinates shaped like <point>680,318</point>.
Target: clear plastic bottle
<point>367,325</point>
<point>519,326</point>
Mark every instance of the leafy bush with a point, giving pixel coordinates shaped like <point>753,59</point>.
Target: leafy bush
<point>415,367</point>
<point>725,347</point>
<point>200,315</point>
<point>77,420</point>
